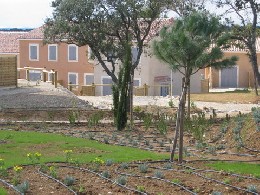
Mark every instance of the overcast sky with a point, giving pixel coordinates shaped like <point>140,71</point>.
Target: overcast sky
<point>24,13</point>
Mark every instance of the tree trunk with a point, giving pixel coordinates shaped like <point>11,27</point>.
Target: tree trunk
<point>253,59</point>
<point>188,109</point>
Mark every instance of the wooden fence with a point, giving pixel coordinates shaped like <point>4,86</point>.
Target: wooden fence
<point>8,71</point>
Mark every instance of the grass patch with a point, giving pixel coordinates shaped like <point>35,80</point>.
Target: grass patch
<point>239,96</point>
<point>17,145</point>
<point>237,167</point>
<point>3,191</point>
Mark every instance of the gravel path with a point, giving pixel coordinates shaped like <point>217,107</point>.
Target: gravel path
<point>104,102</point>
<point>32,96</point>
<point>28,95</point>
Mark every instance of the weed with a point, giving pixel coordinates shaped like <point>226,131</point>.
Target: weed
<point>67,155</point>
<point>95,118</point>
<point>143,168</point>
<point>53,171</point>
<point>121,180</point>
<point>73,116</point>
<point>170,103</point>
<point>227,181</point>
<point>162,125</point>
<point>96,163</point>
<point>140,188</point>
<point>177,181</point>
<point>17,174</point>
<point>69,181</point>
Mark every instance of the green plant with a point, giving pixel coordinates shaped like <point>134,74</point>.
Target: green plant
<point>23,187</point>
<point>121,180</point>
<point>106,140</point>
<point>170,103</point>
<point>140,188</point>
<point>109,162</point>
<point>67,155</point>
<point>17,174</point>
<point>158,174</point>
<point>148,120</point>
<point>252,188</point>
<point>124,165</point>
<point>177,181</point>
<point>73,116</point>
<point>69,181</point>
<point>97,162</point>
<point>227,181</point>
<point>95,119</point>
<point>53,171</point>
<point>137,109</point>
<point>143,168</point>
<point>162,124</point>
<point>168,166</point>
<point>106,174</point>
<point>212,150</point>
<point>81,189</point>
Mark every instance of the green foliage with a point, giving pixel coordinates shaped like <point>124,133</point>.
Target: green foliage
<point>140,188</point>
<point>124,165</point>
<point>158,174</point>
<point>143,168</point>
<point>3,191</point>
<point>121,180</point>
<point>148,120</point>
<point>53,171</point>
<point>73,117</point>
<point>177,181</point>
<point>161,124</point>
<point>106,174</point>
<point>252,188</point>
<point>171,104</point>
<point>95,118</point>
<point>168,166</point>
<point>69,181</point>
<point>256,115</point>
<point>109,162</point>
<point>23,187</point>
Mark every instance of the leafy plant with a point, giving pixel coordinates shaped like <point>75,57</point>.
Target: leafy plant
<point>162,124</point>
<point>53,171</point>
<point>252,188</point>
<point>17,174</point>
<point>67,155</point>
<point>227,181</point>
<point>140,188</point>
<point>143,168</point>
<point>97,162</point>
<point>148,120</point>
<point>121,180</point>
<point>124,165</point>
<point>168,166</point>
<point>106,174</point>
<point>170,103</point>
<point>73,116</point>
<point>23,187</point>
<point>158,174</point>
<point>95,118</point>
<point>109,162</point>
<point>69,181</point>
<point>177,181</point>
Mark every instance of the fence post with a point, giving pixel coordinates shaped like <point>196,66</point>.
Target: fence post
<point>56,78</point>
<point>70,86</point>
<point>44,75</point>
<point>53,75</point>
<point>27,74</point>
<point>145,89</point>
<point>93,89</point>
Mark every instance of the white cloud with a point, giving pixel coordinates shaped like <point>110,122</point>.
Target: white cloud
<point>24,13</point>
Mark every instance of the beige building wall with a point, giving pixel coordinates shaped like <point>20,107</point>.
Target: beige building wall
<point>147,71</point>
<point>62,65</point>
<point>245,73</point>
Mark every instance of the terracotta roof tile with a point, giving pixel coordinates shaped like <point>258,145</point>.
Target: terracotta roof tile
<point>9,42</point>
<point>237,49</point>
<point>36,33</point>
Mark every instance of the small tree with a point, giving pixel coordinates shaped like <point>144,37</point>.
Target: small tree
<point>194,42</point>
<point>109,28</point>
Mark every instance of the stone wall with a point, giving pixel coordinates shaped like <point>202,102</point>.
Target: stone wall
<point>8,71</point>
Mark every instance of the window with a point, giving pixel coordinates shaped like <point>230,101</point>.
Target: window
<point>107,85</point>
<point>34,52</point>
<point>72,53</point>
<point>88,78</point>
<point>137,82</point>
<point>73,78</point>
<point>52,52</point>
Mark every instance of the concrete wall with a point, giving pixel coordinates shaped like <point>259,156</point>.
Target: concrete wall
<point>62,65</point>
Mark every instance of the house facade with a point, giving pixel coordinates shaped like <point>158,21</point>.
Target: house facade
<point>70,61</point>
<point>239,76</point>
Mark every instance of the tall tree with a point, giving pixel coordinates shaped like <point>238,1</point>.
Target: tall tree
<point>108,27</point>
<point>194,42</point>
<point>245,29</point>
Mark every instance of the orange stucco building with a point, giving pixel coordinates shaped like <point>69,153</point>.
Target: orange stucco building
<point>70,61</point>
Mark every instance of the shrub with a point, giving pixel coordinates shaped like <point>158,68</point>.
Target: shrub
<point>168,166</point>
<point>23,187</point>
<point>109,162</point>
<point>143,168</point>
<point>124,165</point>
<point>158,174</point>
<point>252,188</point>
<point>121,180</point>
<point>69,181</point>
<point>106,174</point>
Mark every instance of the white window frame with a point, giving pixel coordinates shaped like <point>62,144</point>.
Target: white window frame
<point>85,74</point>
<point>77,53</point>
<point>51,45</point>
<point>77,77</point>
<point>37,46</point>
<point>139,79</point>
<point>104,77</point>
